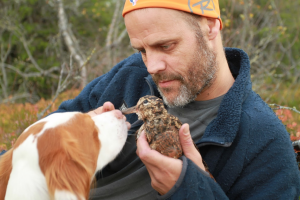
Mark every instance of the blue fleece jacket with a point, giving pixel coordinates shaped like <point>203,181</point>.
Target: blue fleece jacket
<point>246,147</point>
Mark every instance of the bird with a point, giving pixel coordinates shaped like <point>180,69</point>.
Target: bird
<point>161,128</point>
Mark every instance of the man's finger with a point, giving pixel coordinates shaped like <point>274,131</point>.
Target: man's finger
<point>142,145</point>
<point>128,125</point>
<point>146,153</point>
<point>108,106</point>
<point>188,146</point>
<point>149,156</point>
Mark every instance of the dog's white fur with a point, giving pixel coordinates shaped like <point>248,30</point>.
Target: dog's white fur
<point>27,181</point>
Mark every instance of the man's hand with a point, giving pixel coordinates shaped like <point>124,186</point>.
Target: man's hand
<point>165,171</point>
<point>107,106</point>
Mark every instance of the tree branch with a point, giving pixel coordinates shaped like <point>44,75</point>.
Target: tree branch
<point>110,34</point>
<point>62,85</point>
<point>29,54</point>
<point>33,74</point>
<point>278,107</point>
<point>16,97</point>
<point>3,59</point>
<point>71,41</point>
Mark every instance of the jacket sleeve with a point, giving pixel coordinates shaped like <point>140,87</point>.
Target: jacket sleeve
<point>194,183</point>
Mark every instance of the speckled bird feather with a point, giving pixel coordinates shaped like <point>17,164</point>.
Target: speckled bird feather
<point>161,128</point>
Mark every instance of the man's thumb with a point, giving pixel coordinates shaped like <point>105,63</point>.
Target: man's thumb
<point>186,140</point>
<point>188,147</point>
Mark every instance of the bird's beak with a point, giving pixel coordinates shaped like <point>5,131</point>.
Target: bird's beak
<point>129,110</point>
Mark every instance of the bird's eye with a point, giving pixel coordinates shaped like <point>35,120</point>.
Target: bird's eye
<point>146,102</point>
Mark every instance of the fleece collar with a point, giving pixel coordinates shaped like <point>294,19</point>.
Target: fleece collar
<point>223,129</point>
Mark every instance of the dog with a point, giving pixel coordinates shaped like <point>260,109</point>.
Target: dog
<point>57,157</point>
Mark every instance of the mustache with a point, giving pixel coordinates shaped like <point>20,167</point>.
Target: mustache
<point>166,77</point>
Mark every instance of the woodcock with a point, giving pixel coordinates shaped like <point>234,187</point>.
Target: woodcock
<point>161,128</point>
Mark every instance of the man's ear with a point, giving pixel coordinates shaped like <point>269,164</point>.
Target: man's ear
<point>214,28</point>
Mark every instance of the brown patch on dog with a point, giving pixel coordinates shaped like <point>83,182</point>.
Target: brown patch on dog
<point>6,159</point>
<point>5,170</point>
<point>34,129</point>
<point>70,160</point>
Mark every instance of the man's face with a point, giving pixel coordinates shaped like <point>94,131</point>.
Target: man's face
<point>176,56</point>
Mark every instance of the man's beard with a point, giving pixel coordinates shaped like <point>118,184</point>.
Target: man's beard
<point>201,72</point>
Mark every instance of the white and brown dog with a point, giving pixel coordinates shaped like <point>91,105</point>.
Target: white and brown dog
<point>58,156</point>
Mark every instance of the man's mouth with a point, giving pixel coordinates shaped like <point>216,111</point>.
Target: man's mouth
<point>167,83</point>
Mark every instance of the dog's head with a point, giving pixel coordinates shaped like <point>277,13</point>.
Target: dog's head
<point>112,135</point>
<point>59,155</point>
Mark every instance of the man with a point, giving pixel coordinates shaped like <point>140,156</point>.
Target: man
<point>245,146</point>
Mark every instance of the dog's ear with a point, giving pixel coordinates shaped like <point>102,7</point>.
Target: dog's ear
<point>63,166</point>
<point>5,170</point>
<point>69,161</point>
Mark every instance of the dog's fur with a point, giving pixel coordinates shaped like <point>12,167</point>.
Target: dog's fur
<point>58,156</point>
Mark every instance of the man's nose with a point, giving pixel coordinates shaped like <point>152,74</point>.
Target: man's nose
<point>155,63</point>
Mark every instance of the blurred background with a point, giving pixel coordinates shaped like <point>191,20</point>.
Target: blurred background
<point>50,49</point>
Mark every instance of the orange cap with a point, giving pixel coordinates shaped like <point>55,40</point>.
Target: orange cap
<point>207,8</point>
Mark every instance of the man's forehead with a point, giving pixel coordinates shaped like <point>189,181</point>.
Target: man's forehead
<point>152,17</point>
<point>154,28</point>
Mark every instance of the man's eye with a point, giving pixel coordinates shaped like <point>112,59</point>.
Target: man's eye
<point>166,46</point>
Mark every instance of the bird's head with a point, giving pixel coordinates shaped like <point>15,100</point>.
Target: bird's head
<point>147,107</point>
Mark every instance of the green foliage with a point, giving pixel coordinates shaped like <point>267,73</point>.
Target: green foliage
<point>36,22</point>
<point>268,31</point>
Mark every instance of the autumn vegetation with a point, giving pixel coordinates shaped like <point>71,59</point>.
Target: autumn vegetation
<point>16,117</point>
